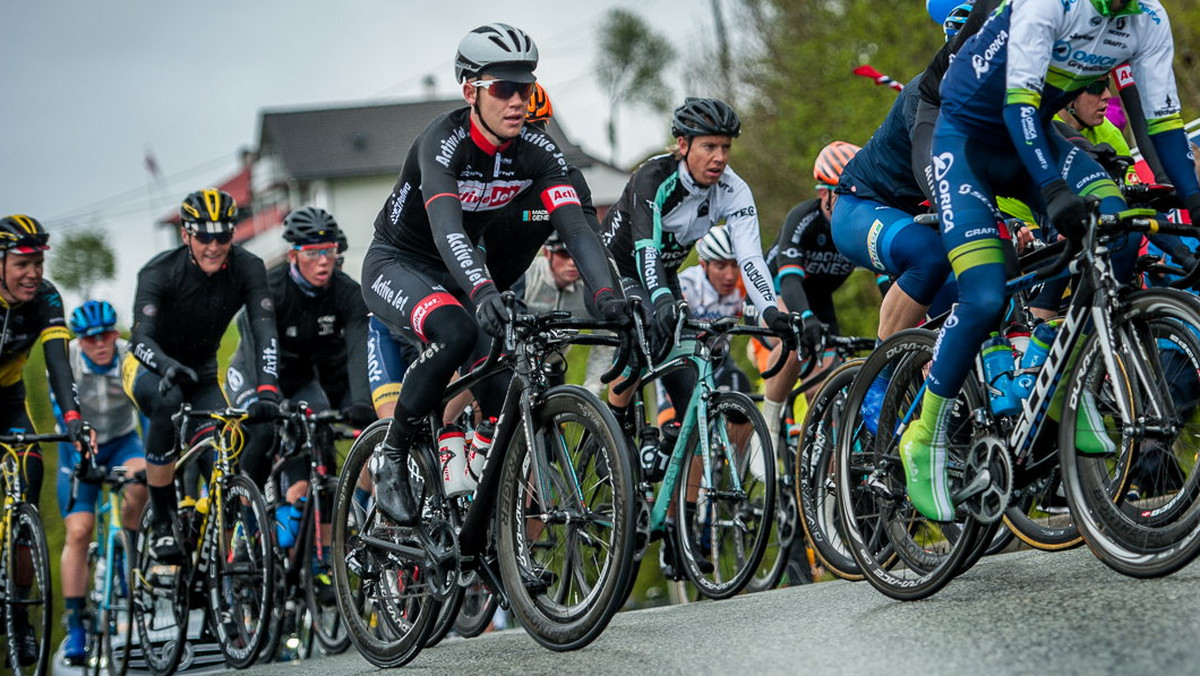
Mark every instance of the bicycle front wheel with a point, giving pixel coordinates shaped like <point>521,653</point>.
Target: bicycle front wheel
<point>902,554</point>
<point>115,620</point>
<point>565,518</point>
<point>1138,505</point>
<point>317,580</point>
<point>29,595</point>
<point>816,473</point>
<point>160,597</point>
<point>241,572</point>
<point>726,509</point>
<point>385,600</point>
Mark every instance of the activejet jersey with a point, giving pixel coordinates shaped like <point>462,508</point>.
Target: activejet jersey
<point>455,181</point>
<point>663,212</point>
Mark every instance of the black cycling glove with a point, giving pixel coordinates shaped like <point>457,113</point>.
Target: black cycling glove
<point>1067,211</point>
<point>490,312</point>
<point>176,374</point>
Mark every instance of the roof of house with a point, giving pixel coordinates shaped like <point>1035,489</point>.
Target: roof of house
<point>339,142</point>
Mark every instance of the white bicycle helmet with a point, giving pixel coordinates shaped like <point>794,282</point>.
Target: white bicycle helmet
<point>716,245</point>
<point>501,50</point>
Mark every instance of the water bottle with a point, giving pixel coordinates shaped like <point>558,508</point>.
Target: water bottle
<point>648,453</point>
<point>670,434</point>
<point>452,453</point>
<point>1031,361</point>
<point>480,445</point>
<point>998,370</point>
<point>283,534</point>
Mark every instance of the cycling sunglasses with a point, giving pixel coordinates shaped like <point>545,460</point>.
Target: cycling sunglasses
<point>312,253</point>
<point>504,89</point>
<point>209,237</point>
<point>1098,87</point>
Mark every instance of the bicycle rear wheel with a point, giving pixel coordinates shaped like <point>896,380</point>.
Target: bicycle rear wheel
<point>116,618</point>
<point>725,521</point>
<point>901,553</point>
<point>816,473</point>
<point>28,591</point>
<point>566,519</point>
<point>385,601</point>
<point>160,598</point>
<point>478,606</point>
<point>787,513</point>
<point>1139,506</point>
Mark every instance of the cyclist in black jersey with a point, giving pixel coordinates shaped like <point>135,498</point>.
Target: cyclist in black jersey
<point>321,324</point>
<point>185,300</point>
<point>423,270</point>
<point>807,268</point>
<point>32,312</point>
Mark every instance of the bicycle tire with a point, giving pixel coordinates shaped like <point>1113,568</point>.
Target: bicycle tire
<point>327,625</point>
<point>1154,534</point>
<point>386,619</point>
<point>160,604</point>
<point>590,555</point>
<point>1035,519</point>
<point>729,530</point>
<point>816,473</point>
<point>902,554</point>
<point>117,619</point>
<point>475,613</point>
<point>275,624</point>
<point>241,575</point>
<point>32,582</point>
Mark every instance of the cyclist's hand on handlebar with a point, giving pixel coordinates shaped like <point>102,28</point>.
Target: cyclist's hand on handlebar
<point>1067,211</point>
<point>266,407</point>
<point>812,335</point>
<point>666,316</point>
<point>176,374</point>
<point>491,314</point>
<point>359,414</point>
<point>610,306</point>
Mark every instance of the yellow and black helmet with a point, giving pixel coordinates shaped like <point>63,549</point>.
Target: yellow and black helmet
<point>23,234</point>
<point>538,109</point>
<point>209,210</point>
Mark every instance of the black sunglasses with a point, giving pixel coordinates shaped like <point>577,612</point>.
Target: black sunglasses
<point>504,89</point>
<point>1098,87</point>
<point>209,237</point>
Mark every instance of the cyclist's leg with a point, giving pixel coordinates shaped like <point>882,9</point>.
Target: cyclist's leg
<point>386,364</point>
<point>972,240</point>
<point>79,520</point>
<point>141,385</point>
<point>448,331</point>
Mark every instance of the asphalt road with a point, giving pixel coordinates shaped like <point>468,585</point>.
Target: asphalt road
<point>1023,613</point>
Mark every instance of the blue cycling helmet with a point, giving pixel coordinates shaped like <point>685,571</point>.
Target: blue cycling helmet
<point>93,318</point>
<point>940,9</point>
<point>956,18</point>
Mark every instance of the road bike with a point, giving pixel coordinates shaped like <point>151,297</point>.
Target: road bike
<point>548,528</point>
<point>26,589</point>
<point>1106,354</point>
<point>304,605</point>
<point>715,496</point>
<point>227,571</point>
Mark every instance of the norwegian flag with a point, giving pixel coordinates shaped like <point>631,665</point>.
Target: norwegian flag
<point>866,70</point>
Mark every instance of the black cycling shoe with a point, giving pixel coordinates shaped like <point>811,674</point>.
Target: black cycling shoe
<point>393,494</point>
<point>164,548</point>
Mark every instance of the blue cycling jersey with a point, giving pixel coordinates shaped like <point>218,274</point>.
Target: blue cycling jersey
<point>881,171</point>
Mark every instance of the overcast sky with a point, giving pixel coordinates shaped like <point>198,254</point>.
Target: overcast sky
<point>89,88</point>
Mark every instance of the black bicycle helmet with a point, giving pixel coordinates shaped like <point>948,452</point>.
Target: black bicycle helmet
<point>310,225</point>
<point>705,117</point>
<point>499,50</point>
<point>209,210</point>
<point>23,234</point>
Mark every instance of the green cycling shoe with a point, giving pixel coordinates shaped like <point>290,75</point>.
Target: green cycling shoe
<point>1091,433</point>
<point>924,460</point>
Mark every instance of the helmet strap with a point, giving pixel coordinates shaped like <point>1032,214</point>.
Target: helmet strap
<point>484,124</point>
